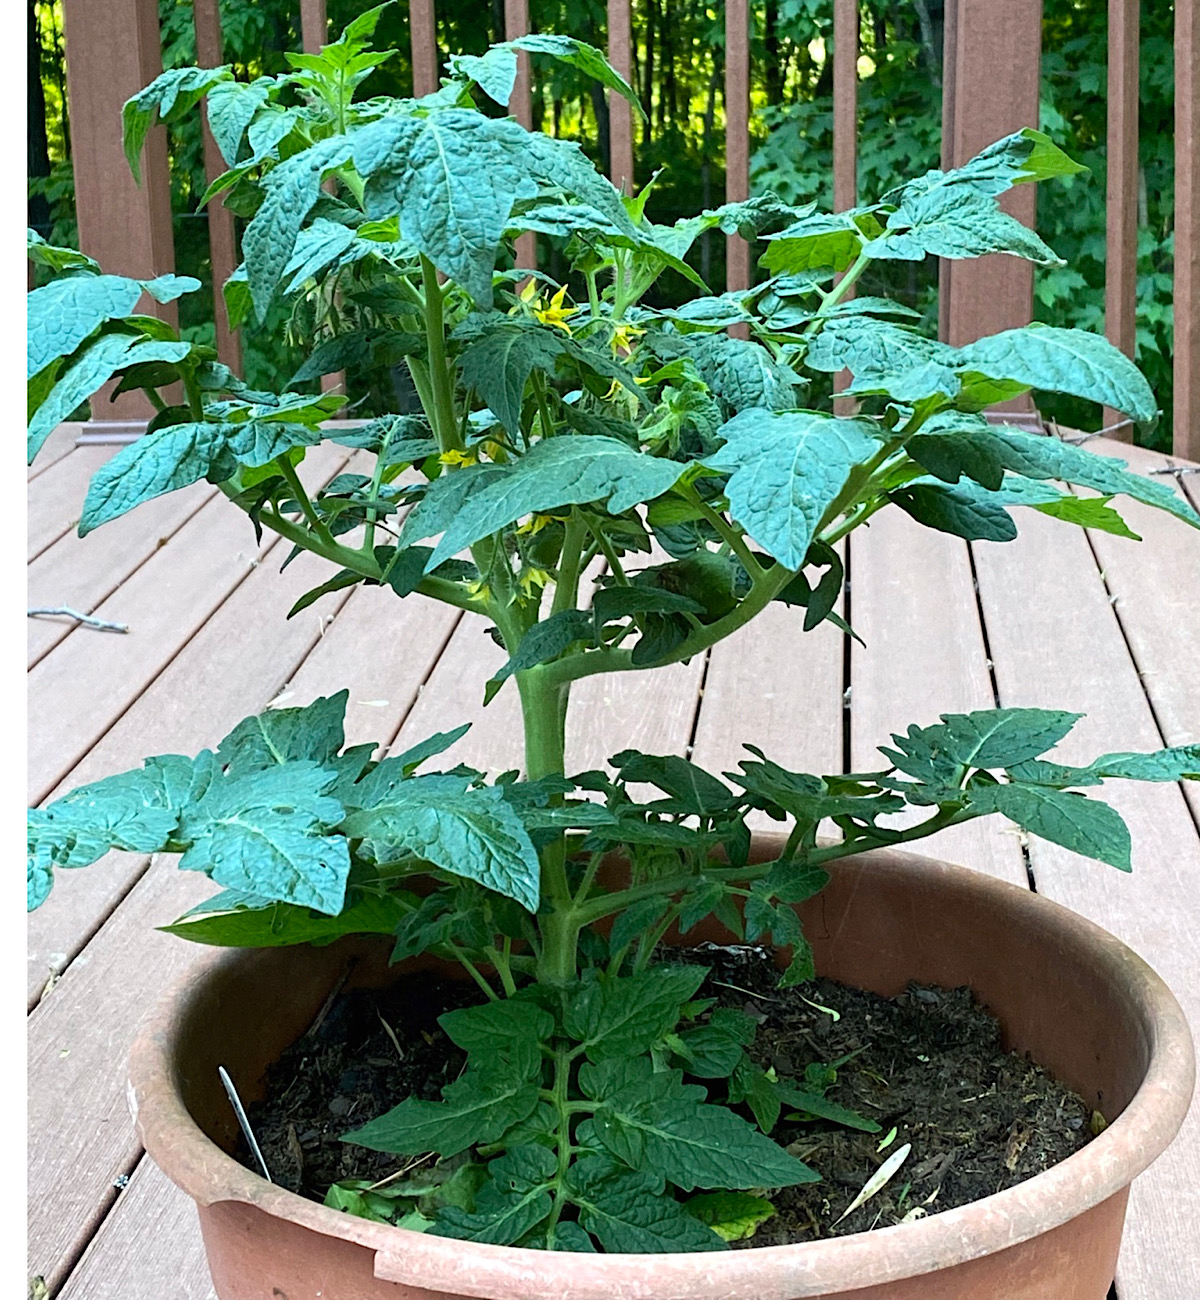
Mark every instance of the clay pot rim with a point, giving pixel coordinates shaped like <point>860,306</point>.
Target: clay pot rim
<point>1088,1177</point>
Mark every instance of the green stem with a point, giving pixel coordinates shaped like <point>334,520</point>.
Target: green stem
<point>445,425</point>
<point>562,1078</point>
<point>292,479</point>
<point>469,966</point>
<point>570,564</point>
<point>609,552</point>
<point>838,292</point>
<point>727,532</point>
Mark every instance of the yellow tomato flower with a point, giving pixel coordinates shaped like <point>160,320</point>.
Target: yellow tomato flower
<point>532,578</point>
<point>624,337</point>
<point>479,590</point>
<point>467,456</point>
<point>556,313</point>
<point>534,524</point>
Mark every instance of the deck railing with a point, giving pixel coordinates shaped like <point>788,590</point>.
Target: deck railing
<point>990,87</point>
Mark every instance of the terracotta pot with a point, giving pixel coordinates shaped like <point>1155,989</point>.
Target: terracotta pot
<point>1065,991</point>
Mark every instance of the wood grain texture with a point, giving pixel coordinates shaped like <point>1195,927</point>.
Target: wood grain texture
<point>520,105</point>
<point>1187,229</point>
<point>83,572</point>
<point>77,1046</point>
<point>222,236</point>
<point>1155,588</point>
<point>55,498</point>
<point>620,111</point>
<point>845,104</point>
<point>737,134</point>
<point>113,51</point>
<point>989,294</point>
<point>1057,643</point>
<point>78,692</point>
<point>59,444</point>
<point>148,1247</point>
<point>912,600</point>
<point>1120,247</point>
<point>423,30</point>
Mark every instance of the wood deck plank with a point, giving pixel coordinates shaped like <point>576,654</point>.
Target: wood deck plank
<point>78,1043</point>
<point>91,678</point>
<point>81,573</point>
<point>77,692</point>
<point>1156,586</point>
<point>148,1247</point>
<point>1081,663</point>
<point>233,676</point>
<point>912,600</point>
<point>59,444</point>
<point>56,497</point>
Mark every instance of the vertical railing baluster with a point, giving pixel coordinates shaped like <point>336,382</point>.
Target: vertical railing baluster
<point>222,236</point>
<point>620,113</point>
<point>845,138</point>
<point>422,28</point>
<point>314,32</point>
<point>113,51</point>
<point>737,133</point>
<point>1187,229</point>
<point>1121,223</point>
<point>516,23</point>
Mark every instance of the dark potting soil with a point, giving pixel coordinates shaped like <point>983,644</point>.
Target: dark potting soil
<point>928,1063</point>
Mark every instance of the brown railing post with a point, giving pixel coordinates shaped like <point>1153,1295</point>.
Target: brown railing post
<point>845,138</point>
<point>222,237</point>
<point>737,133</point>
<point>422,24</point>
<point>113,50</point>
<point>314,32</point>
<point>1120,248</point>
<point>620,112</point>
<point>1187,229</point>
<point>992,66</point>
<point>516,23</point>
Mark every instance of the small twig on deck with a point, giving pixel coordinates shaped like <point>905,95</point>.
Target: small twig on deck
<point>240,1111</point>
<point>1178,470</point>
<point>100,624</point>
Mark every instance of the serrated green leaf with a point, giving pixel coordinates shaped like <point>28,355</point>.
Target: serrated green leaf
<point>58,259</point>
<point>560,471</point>
<point>1088,512</point>
<point>712,1050</point>
<point>786,470</point>
<point>733,1216</point>
<point>629,1213</point>
<point>823,240</point>
<point>990,738</point>
<point>619,1017</point>
<point>498,365</point>
<point>758,1090</point>
<point>279,925</point>
<point>479,1029</point>
<point>478,1108</point>
<point>170,95</point>
<point>1071,820</point>
<point>741,372</point>
<point>266,833</point>
<point>290,191</point>
<point>544,641</point>
<point>181,454</point>
<point>693,1145</point>
<point>956,510</point>
<point>1064,361</point>
<point>691,788</point>
<point>276,736</point>
<point>1179,763</point>
<point>94,366</point>
<point>873,350</point>
<point>231,108</point>
<point>1048,458</point>
<point>470,833</point>
<point>513,1201</point>
<point>956,222</point>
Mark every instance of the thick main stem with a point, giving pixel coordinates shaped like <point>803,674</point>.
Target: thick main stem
<point>543,705</point>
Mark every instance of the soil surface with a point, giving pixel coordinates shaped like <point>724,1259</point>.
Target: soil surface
<point>928,1063</point>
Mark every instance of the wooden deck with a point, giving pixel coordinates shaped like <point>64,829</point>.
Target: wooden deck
<point>1059,618</point>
